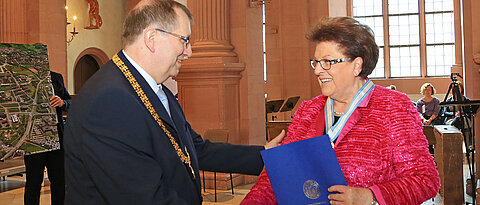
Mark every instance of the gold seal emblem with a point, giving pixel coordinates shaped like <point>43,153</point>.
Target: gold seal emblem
<point>311,189</point>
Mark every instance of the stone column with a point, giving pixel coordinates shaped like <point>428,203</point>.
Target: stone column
<point>471,75</point>
<point>458,66</point>
<point>208,82</point>
<point>211,31</point>
<point>13,21</point>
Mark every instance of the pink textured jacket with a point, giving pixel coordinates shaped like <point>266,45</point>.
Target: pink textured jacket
<point>382,147</point>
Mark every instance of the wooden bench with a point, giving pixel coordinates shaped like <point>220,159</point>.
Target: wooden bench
<point>11,167</point>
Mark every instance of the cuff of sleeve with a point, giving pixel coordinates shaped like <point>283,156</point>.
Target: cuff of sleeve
<point>64,105</point>
<point>378,194</point>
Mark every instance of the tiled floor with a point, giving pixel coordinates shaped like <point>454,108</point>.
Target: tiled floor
<point>225,196</point>
<point>11,193</point>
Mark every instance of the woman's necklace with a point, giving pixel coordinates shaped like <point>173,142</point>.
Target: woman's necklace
<point>338,113</point>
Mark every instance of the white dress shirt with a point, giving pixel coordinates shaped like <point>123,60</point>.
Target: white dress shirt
<point>157,88</point>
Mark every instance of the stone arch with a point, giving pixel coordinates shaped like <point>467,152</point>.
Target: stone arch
<point>86,64</point>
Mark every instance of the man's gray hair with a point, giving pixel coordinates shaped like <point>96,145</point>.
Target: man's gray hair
<point>160,13</point>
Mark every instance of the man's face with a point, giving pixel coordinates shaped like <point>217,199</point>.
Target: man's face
<point>176,49</point>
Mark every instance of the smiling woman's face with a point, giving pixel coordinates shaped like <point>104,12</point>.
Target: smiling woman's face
<point>428,91</point>
<point>338,80</point>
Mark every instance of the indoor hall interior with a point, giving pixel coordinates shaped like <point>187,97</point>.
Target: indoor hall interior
<point>11,193</point>
<point>12,189</point>
<point>250,67</point>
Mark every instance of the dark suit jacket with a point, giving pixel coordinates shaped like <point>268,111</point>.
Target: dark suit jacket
<point>116,153</point>
<point>60,91</point>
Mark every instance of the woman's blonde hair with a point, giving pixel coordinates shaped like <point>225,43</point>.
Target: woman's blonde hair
<point>424,86</point>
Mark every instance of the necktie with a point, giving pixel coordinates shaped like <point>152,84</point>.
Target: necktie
<point>163,98</point>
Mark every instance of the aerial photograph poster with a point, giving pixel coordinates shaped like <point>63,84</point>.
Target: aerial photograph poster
<point>28,124</point>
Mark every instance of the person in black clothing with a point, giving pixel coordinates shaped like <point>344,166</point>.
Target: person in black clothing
<point>450,113</point>
<point>53,160</point>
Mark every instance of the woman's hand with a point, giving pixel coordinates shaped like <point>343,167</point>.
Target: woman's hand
<point>350,195</point>
<point>427,122</point>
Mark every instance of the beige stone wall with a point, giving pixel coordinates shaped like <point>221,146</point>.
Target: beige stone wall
<point>107,38</point>
<point>246,37</point>
<point>51,32</point>
<point>36,21</point>
<point>288,51</point>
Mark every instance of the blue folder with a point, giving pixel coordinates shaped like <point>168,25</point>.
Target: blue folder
<point>301,172</point>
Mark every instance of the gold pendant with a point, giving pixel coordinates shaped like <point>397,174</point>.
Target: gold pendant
<point>189,163</point>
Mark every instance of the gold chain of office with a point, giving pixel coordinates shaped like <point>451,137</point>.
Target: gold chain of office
<point>146,102</point>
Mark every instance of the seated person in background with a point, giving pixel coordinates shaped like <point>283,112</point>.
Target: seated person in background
<point>429,106</point>
<point>378,136</point>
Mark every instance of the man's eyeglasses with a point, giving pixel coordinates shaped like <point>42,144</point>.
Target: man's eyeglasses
<point>184,38</point>
<point>325,63</point>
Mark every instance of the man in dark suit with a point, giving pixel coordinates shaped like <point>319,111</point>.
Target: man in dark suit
<point>54,160</point>
<point>127,140</point>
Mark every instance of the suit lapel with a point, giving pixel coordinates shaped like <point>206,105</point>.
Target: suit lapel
<point>178,119</point>
<point>320,122</point>
<point>351,122</point>
<point>180,122</point>
<point>175,113</point>
<point>157,105</point>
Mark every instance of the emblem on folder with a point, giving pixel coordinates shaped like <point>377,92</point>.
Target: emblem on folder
<point>311,189</point>
<point>296,175</point>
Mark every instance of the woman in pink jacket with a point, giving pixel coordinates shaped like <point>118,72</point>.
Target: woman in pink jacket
<point>377,133</point>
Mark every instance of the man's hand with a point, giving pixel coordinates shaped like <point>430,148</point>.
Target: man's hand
<point>275,141</point>
<point>350,195</point>
<point>56,101</point>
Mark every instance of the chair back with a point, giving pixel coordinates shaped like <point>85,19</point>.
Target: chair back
<point>216,135</point>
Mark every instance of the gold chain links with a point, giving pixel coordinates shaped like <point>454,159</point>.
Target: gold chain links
<point>146,102</point>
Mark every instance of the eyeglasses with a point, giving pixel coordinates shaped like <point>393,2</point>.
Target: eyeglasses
<point>184,38</point>
<point>325,63</point>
